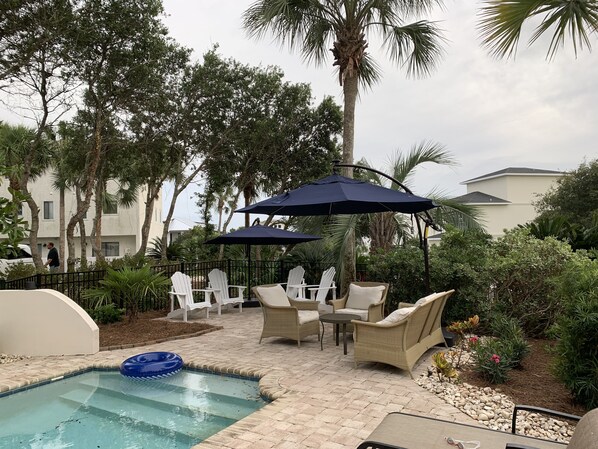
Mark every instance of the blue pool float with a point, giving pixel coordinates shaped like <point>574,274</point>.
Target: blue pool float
<point>151,365</point>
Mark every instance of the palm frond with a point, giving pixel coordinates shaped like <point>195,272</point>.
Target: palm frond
<point>417,45</point>
<point>501,22</point>
<point>459,215</point>
<point>402,167</point>
<point>339,233</point>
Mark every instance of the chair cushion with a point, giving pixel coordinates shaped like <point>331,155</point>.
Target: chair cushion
<point>426,299</point>
<point>397,315</point>
<point>363,314</point>
<point>306,316</point>
<point>363,297</point>
<point>274,296</point>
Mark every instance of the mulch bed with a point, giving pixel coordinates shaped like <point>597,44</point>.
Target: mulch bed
<point>147,329</point>
<point>534,384</point>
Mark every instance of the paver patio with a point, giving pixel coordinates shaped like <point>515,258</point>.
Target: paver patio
<point>321,399</point>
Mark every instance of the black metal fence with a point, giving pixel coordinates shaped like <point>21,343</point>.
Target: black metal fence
<point>262,272</point>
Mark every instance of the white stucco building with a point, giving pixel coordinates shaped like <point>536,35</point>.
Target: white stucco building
<point>505,197</point>
<point>121,227</point>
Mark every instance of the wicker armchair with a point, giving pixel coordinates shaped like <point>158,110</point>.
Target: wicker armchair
<point>368,310</point>
<point>403,342</point>
<point>285,317</point>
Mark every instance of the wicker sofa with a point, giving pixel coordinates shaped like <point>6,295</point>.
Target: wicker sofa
<point>286,317</point>
<point>402,342</point>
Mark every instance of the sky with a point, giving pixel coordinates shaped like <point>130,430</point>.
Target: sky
<point>490,114</point>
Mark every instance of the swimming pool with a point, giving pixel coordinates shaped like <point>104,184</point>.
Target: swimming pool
<point>103,409</point>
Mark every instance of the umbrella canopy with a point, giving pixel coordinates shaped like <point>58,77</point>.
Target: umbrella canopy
<point>337,194</point>
<point>260,235</point>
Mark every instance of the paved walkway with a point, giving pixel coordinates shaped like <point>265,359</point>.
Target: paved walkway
<point>321,399</point>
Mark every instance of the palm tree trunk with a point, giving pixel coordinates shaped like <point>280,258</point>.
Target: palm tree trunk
<point>350,98</point>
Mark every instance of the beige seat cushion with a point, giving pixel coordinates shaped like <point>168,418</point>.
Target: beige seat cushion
<point>363,314</point>
<point>426,299</point>
<point>274,296</point>
<point>363,297</point>
<point>306,316</point>
<point>397,315</point>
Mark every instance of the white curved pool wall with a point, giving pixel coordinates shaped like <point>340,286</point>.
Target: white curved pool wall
<point>45,322</point>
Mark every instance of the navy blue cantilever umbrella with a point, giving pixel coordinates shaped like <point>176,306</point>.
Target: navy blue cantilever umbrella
<point>336,195</point>
<point>260,235</point>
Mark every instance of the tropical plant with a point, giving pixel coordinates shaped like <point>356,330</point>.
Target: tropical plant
<point>502,21</point>
<point>131,285</point>
<point>577,340</point>
<point>314,26</point>
<point>106,314</point>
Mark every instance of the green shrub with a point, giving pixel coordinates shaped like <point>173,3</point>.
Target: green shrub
<point>403,269</point>
<point>106,314</point>
<point>577,331</point>
<point>459,263</point>
<point>522,269</point>
<point>509,331</point>
<point>129,284</point>
<point>19,270</point>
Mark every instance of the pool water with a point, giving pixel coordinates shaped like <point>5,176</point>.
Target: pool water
<point>103,409</point>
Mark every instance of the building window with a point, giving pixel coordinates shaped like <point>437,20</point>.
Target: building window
<point>48,210</point>
<point>110,249</point>
<point>110,208</point>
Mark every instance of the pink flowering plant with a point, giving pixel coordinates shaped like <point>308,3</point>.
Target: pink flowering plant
<point>492,362</point>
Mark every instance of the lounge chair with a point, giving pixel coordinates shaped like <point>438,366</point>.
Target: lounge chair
<point>183,291</point>
<point>320,292</point>
<point>365,299</point>
<point>286,317</point>
<point>295,283</point>
<point>404,335</point>
<point>219,283</point>
<point>402,431</point>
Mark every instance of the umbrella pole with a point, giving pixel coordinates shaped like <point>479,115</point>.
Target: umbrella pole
<point>248,251</point>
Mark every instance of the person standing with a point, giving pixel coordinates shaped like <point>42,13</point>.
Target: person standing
<point>53,259</point>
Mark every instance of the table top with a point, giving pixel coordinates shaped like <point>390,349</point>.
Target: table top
<point>419,432</point>
<point>338,317</point>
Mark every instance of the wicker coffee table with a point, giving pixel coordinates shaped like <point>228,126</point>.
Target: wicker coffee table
<point>337,319</point>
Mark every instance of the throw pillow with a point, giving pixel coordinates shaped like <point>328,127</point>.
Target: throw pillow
<point>426,299</point>
<point>397,315</point>
<point>274,296</point>
<point>363,297</point>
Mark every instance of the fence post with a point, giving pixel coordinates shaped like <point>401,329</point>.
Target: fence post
<point>38,280</point>
<point>183,267</point>
<point>228,266</point>
<point>281,271</point>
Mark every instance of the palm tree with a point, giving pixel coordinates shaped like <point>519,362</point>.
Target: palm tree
<point>314,25</point>
<point>502,20</point>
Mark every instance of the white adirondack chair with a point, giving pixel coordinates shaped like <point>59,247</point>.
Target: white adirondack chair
<point>219,284</point>
<point>320,291</point>
<point>182,289</point>
<point>295,283</point>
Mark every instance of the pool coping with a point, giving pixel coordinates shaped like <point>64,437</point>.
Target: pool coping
<point>269,387</point>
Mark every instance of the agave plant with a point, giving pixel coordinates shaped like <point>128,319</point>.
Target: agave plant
<point>129,284</point>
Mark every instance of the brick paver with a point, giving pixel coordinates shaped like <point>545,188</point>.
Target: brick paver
<point>320,398</point>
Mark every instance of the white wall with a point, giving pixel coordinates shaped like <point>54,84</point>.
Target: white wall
<point>45,322</point>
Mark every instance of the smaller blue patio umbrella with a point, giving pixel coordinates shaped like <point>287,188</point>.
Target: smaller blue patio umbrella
<point>260,235</point>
